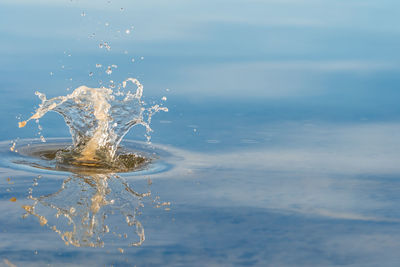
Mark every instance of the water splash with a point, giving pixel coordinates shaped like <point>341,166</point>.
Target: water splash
<point>98,119</point>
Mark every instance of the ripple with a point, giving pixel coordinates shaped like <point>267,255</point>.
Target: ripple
<point>135,158</point>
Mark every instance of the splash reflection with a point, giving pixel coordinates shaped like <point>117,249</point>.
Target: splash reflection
<point>89,210</point>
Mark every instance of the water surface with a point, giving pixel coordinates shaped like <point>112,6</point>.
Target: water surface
<point>281,139</point>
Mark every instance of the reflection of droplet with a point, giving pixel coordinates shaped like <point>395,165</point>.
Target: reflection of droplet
<point>108,70</point>
<point>72,210</point>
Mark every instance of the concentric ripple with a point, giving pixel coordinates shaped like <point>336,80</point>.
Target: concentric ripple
<point>56,154</point>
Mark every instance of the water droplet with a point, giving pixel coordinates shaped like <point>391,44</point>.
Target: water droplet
<point>125,52</point>
<point>98,65</point>
<point>114,66</point>
<point>122,9</point>
<point>141,58</point>
<point>42,139</point>
<point>108,70</point>
<point>164,98</point>
<point>21,124</point>
<point>107,24</point>
<point>83,14</point>
<point>90,74</point>
<point>128,31</point>
<point>167,90</point>
<point>51,73</point>
<point>133,60</point>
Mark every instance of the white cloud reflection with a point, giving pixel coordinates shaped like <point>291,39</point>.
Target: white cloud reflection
<point>337,171</point>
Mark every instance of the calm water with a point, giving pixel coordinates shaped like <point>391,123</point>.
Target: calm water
<point>280,147</point>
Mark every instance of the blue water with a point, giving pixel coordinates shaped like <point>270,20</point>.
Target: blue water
<point>283,127</point>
